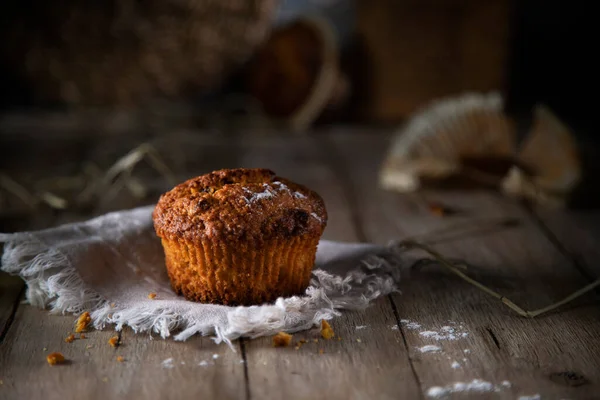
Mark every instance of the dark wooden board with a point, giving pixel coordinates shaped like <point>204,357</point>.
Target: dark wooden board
<point>372,362</point>
<point>520,262</point>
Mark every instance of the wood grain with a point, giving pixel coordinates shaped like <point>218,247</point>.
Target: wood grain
<point>90,372</point>
<point>143,374</point>
<point>577,233</point>
<point>371,362</point>
<point>10,289</point>
<point>192,361</point>
<point>556,356</point>
<point>95,373</point>
<point>519,262</point>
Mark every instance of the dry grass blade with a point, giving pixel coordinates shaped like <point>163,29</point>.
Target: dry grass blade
<point>93,178</point>
<point>124,167</point>
<point>137,189</point>
<point>112,190</point>
<point>92,183</point>
<point>159,165</point>
<point>409,244</point>
<point>54,201</point>
<point>18,190</point>
<point>125,163</point>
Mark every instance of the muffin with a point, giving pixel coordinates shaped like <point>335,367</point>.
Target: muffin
<point>239,236</point>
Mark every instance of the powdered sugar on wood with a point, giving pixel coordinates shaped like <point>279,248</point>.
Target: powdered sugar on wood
<point>430,349</point>
<point>475,386</point>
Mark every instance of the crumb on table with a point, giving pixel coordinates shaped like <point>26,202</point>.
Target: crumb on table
<point>120,359</point>
<point>82,336</point>
<point>70,338</point>
<point>440,210</point>
<point>326,330</point>
<point>114,341</point>
<point>282,339</point>
<point>55,358</point>
<point>321,351</point>
<point>152,296</point>
<point>82,322</point>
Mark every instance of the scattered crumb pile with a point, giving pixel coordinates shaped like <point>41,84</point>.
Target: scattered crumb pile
<point>282,339</point>
<point>326,330</point>
<point>476,385</point>
<point>70,338</point>
<point>55,358</point>
<point>82,322</point>
<point>299,343</point>
<point>114,341</point>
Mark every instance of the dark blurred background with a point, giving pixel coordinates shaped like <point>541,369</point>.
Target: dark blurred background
<point>394,56</point>
<point>83,82</point>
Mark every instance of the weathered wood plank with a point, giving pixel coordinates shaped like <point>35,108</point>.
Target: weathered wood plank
<point>10,289</point>
<point>577,233</point>
<point>91,372</point>
<point>519,262</point>
<point>197,368</point>
<point>192,361</point>
<point>368,362</point>
<point>151,364</point>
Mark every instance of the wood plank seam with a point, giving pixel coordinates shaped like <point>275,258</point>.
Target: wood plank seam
<point>333,161</point>
<point>403,333</point>
<point>11,317</point>
<point>525,358</point>
<point>573,258</point>
<point>245,362</point>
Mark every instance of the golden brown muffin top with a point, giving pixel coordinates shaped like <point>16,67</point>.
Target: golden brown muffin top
<point>234,204</point>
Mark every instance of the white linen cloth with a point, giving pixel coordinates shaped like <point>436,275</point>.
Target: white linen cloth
<point>110,264</point>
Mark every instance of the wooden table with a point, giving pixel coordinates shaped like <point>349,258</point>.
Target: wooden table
<point>539,259</point>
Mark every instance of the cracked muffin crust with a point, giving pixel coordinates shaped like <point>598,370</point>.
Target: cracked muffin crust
<point>239,236</point>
